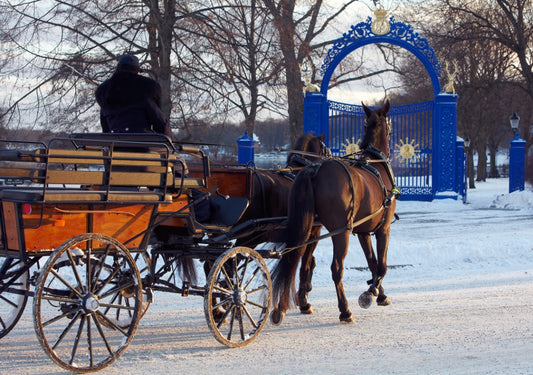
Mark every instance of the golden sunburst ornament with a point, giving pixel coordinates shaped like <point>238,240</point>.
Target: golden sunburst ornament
<point>351,147</point>
<point>407,151</point>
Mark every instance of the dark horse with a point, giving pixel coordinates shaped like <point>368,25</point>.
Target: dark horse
<point>271,188</point>
<point>345,196</point>
<point>270,197</point>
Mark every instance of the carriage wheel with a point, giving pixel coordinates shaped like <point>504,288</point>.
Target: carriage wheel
<point>88,302</point>
<point>239,283</point>
<point>13,296</point>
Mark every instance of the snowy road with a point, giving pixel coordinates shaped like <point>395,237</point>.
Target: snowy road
<point>461,304</point>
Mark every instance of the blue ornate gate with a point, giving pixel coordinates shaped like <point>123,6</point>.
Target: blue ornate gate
<point>423,143</point>
<point>410,142</point>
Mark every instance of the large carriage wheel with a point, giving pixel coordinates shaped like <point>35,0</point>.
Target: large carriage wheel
<point>88,302</point>
<point>13,296</point>
<point>239,284</point>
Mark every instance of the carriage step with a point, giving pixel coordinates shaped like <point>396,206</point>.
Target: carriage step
<point>148,295</point>
<point>271,246</point>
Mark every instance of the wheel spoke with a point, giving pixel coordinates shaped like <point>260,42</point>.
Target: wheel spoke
<point>254,324</point>
<point>252,277</point>
<point>75,271</point>
<point>231,322</point>
<point>9,302</point>
<point>258,289</point>
<point>102,334</point>
<point>66,330</point>
<point>97,276</point>
<point>241,326</point>
<point>77,340</point>
<point>223,290</point>
<point>65,282</point>
<point>111,323</point>
<point>228,279</point>
<point>59,317</point>
<point>117,289</point>
<point>236,272</point>
<point>243,270</point>
<point>256,304</point>
<point>222,303</point>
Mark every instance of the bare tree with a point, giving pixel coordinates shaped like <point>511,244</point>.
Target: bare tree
<point>236,56</point>
<point>298,30</point>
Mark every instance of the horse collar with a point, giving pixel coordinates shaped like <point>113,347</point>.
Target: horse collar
<point>374,152</point>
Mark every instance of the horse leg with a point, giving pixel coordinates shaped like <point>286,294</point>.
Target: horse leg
<point>307,266</point>
<point>365,299</point>
<point>340,249</point>
<point>382,243</point>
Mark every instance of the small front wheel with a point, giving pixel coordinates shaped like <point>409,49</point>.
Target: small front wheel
<point>239,285</point>
<point>88,302</point>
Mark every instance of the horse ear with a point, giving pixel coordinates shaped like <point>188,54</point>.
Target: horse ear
<point>322,137</point>
<point>386,107</point>
<point>367,110</point>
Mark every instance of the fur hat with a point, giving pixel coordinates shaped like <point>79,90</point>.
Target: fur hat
<point>129,63</point>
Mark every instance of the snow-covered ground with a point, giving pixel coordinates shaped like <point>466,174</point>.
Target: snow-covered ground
<point>461,285</point>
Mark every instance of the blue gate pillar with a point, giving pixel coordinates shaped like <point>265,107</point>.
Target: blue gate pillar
<point>444,149</point>
<point>517,160</point>
<point>316,114</point>
<point>245,147</point>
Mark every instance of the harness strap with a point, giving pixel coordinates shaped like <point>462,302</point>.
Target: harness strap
<point>350,225</point>
<point>335,232</point>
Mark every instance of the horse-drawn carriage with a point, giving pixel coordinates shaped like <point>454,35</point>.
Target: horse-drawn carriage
<point>92,225</point>
<point>78,216</point>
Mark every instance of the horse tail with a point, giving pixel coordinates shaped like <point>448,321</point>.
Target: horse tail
<point>300,222</point>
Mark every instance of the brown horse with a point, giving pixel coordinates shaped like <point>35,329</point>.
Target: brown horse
<point>356,196</point>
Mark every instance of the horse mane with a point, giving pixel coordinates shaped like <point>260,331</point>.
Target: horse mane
<point>300,144</point>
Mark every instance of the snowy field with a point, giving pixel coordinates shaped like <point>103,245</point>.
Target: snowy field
<point>461,285</point>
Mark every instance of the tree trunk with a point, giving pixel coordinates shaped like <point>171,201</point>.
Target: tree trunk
<point>493,173</point>
<point>471,170</point>
<point>482,164</point>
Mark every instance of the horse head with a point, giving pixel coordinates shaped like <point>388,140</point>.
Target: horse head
<point>308,149</point>
<point>377,129</point>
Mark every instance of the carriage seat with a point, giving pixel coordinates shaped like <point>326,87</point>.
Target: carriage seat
<point>61,195</point>
<point>226,211</point>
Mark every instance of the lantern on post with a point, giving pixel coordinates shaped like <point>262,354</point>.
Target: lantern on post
<point>517,157</point>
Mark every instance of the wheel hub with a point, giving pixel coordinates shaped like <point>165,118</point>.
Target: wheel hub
<point>90,303</point>
<point>240,297</point>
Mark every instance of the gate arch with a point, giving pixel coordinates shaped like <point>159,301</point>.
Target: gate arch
<point>433,171</point>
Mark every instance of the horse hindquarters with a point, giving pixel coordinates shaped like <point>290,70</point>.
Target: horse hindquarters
<point>300,222</point>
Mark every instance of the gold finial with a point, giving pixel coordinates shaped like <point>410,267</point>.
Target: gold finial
<point>309,87</point>
<point>451,77</point>
<point>380,26</point>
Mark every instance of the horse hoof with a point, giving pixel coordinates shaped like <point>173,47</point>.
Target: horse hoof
<point>276,317</point>
<point>346,318</point>
<point>307,309</point>
<point>365,300</point>
<point>383,301</point>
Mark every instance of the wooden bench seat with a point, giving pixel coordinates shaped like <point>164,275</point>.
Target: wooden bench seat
<point>82,195</point>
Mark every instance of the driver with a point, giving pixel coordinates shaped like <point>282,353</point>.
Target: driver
<point>130,102</point>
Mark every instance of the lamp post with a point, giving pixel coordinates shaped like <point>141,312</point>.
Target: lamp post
<point>517,157</point>
<point>466,173</point>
